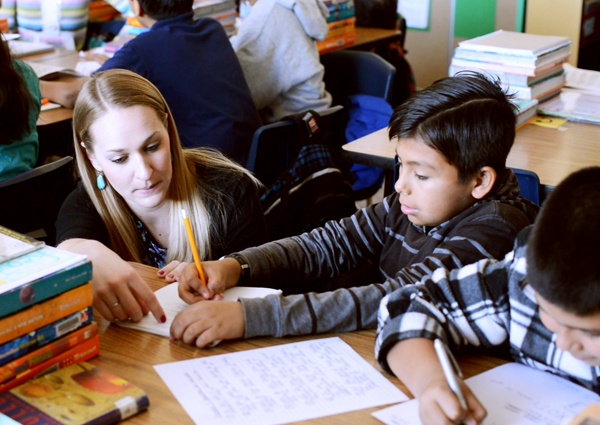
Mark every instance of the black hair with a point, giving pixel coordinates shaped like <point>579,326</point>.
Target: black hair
<point>468,118</point>
<point>165,9</point>
<point>15,100</point>
<point>562,249</point>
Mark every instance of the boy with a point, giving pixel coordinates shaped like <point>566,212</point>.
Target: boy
<point>455,203</point>
<point>542,302</point>
<point>276,48</point>
<point>195,68</point>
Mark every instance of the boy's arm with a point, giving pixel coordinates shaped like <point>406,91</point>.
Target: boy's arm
<point>63,92</point>
<point>415,363</point>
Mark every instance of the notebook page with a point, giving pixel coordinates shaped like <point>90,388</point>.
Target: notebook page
<point>168,297</point>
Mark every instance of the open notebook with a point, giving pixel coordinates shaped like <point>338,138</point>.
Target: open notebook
<point>168,297</point>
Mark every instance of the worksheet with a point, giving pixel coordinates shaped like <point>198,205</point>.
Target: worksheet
<point>278,385</point>
<point>513,394</point>
<point>168,297</point>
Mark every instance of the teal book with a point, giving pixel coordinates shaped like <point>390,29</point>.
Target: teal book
<point>39,275</point>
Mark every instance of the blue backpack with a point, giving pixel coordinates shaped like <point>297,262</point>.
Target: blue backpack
<point>367,114</point>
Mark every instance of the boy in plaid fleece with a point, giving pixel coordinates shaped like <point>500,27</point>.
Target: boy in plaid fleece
<point>455,203</point>
<point>541,304</point>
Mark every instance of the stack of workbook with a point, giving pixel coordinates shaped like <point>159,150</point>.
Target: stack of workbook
<point>341,22</point>
<point>223,11</point>
<point>528,65</point>
<point>45,309</point>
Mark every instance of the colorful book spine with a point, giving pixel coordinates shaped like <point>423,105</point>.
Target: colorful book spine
<point>38,338</point>
<point>79,353</point>
<point>23,364</point>
<point>46,312</point>
<point>44,288</point>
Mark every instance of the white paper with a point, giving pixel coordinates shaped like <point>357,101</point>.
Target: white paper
<point>278,385</point>
<point>582,79</point>
<point>416,13</point>
<point>168,297</point>
<point>513,394</point>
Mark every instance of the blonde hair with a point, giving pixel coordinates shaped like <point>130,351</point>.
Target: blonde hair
<point>122,89</point>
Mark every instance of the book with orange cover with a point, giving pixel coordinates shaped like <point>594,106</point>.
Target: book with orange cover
<point>335,43</point>
<point>33,340</point>
<point>22,364</point>
<point>80,353</point>
<point>76,395</point>
<point>51,310</point>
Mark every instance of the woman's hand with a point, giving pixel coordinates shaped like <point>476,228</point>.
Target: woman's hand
<point>119,291</point>
<point>220,275</point>
<point>206,322</point>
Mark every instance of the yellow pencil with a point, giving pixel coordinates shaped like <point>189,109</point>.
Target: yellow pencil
<point>192,242</point>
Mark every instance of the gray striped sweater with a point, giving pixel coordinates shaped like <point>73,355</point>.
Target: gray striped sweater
<point>381,235</point>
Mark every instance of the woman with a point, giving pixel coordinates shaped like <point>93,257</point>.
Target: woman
<point>20,102</point>
<point>135,180</point>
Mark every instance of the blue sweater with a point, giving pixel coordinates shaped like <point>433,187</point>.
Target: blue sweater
<point>195,68</point>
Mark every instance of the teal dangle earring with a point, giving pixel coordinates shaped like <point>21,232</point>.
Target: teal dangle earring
<point>100,183</point>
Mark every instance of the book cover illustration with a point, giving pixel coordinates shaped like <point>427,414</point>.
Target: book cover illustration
<point>76,395</point>
<point>36,265</point>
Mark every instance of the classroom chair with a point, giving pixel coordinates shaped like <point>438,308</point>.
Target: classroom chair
<point>275,146</point>
<point>297,161</point>
<point>530,185</point>
<point>32,199</point>
<point>352,72</point>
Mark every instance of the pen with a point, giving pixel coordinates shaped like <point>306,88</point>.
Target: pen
<point>190,235</point>
<point>451,370</point>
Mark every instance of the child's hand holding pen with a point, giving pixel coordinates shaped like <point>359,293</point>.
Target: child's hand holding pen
<point>415,362</point>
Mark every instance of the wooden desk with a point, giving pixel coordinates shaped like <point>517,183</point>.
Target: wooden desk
<point>552,154</point>
<point>368,38</point>
<point>132,354</point>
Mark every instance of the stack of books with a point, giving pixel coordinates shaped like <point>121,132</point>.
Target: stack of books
<point>342,28</point>
<point>528,65</point>
<point>223,11</point>
<point>45,309</point>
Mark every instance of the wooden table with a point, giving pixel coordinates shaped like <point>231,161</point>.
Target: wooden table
<point>368,38</point>
<point>552,153</point>
<point>132,354</point>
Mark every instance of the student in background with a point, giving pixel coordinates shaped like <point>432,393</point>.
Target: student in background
<point>135,180</point>
<point>455,203</point>
<point>276,48</point>
<point>194,67</point>
<point>20,102</point>
<point>541,303</point>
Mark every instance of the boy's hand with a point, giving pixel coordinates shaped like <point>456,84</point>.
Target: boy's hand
<point>220,275</point>
<point>205,322</point>
<point>191,289</point>
<point>416,364</point>
<point>439,405</point>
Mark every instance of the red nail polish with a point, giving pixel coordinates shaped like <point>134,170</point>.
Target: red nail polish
<point>163,319</point>
<point>161,272</point>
